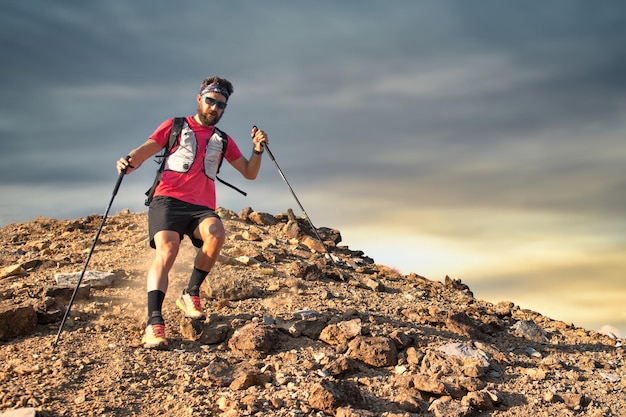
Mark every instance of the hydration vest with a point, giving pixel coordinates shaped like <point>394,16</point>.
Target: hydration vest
<point>181,159</point>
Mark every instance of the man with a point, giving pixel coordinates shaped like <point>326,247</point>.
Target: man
<point>184,201</point>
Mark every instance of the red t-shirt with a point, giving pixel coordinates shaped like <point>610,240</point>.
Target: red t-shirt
<point>192,186</point>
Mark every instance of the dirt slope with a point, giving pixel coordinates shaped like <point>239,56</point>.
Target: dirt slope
<point>286,335</point>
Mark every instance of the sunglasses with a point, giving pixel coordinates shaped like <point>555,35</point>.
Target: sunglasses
<point>210,101</point>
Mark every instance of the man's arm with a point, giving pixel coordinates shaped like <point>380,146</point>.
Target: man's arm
<point>138,156</point>
<point>249,168</point>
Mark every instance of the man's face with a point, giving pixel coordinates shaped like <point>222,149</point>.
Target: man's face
<point>211,107</point>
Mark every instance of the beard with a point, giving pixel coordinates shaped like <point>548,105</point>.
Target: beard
<point>209,118</point>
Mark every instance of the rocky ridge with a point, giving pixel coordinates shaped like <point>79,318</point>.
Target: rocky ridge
<point>290,332</point>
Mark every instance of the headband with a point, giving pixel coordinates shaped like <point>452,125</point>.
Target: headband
<point>214,88</point>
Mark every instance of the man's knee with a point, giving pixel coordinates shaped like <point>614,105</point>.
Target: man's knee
<point>167,249</point>
<point>213,233</point>
<point>169,246</point>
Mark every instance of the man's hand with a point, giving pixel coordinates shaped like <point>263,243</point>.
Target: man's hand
<point>258,139</point>
<point>125,165</point>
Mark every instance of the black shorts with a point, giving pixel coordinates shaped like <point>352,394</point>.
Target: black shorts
<point>167,213</point>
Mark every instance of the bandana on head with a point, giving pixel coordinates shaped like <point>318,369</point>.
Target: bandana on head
<point>214,88</point>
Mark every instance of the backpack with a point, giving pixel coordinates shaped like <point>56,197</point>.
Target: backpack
<point>177,127</point>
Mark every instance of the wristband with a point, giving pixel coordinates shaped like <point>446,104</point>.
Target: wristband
<point>257,152</point>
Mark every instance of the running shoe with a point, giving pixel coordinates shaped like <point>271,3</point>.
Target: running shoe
<point>191,306</point>
<point>154,337</point>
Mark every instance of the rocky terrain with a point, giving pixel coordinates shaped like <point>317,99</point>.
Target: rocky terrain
<point>290,332</point>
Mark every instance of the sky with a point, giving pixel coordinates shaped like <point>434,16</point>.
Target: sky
<point>481,140</point>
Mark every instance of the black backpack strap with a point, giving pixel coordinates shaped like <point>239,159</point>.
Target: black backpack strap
<point>231,186</point>
<point>177,127</point>
<point>224,137</point>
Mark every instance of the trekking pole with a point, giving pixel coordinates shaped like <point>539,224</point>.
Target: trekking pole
<point>82,274</point>
<point>280,171</point>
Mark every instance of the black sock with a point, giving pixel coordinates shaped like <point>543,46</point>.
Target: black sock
<point>155,303</point>
<point>196,279</point>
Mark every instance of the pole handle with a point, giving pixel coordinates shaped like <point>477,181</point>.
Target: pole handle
<point>119,178</point>
<point>266,146</point>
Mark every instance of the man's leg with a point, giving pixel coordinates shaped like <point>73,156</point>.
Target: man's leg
<point>211,232</point>
<point>167,244</point>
